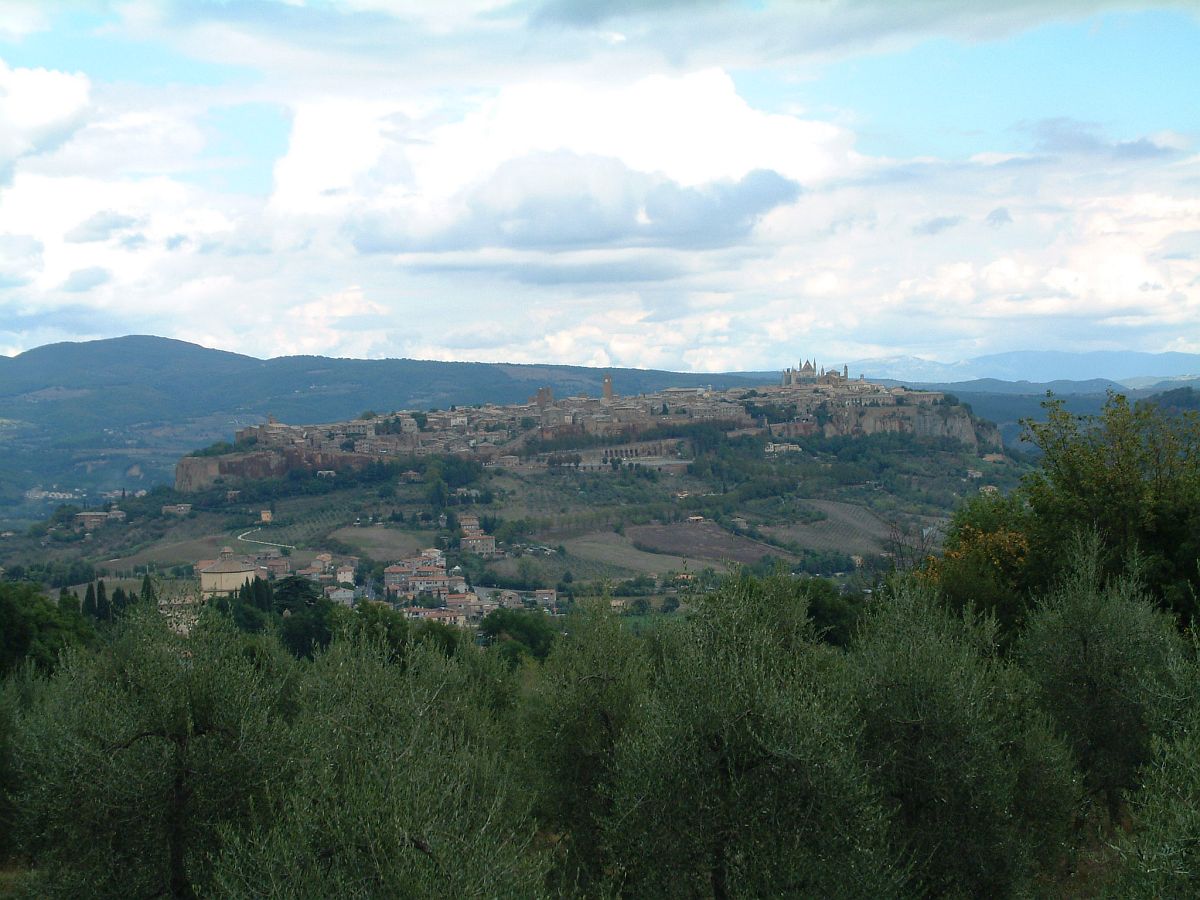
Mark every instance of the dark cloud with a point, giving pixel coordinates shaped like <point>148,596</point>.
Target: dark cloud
<point>1070,137</point>
<point>625,272</point>
<point>39,141</point>
<point>563,201</point>
<point>71,321</point>
<point>936,225</point>
<point>551,272</point>
<point>100,227</point>
<point>355,34</point>
<point>1181,245</point>
<point>1142,148</point>
<point>586,13</point>
<point>718,214</point>
<point>999,217</point>
<point>82,280</point>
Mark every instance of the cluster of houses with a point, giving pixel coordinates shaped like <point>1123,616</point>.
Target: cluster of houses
<point>473,539</point>
<point>823,400</point>
<point>420,586</point>
<point>423,588</point>
<point>90,520</point>
<point>225,575</point>
<point>421,576</point>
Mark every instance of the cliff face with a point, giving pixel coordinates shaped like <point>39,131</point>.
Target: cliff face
<point>197,473</point>
<point>923,421</point>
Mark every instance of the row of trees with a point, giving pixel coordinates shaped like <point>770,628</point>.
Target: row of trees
<point>1132,475</point>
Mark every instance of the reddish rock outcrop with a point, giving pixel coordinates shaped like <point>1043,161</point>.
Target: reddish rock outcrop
<point>198,473</point>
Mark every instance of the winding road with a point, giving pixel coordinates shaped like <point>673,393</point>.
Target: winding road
<point>242,537</point>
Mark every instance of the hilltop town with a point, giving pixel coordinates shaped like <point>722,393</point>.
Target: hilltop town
<point>589,433</point>
<point>450,514</point>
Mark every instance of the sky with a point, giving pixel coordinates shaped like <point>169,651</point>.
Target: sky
<point>692,185</point>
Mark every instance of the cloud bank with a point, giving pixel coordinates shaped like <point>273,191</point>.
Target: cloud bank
<point>591,183</point>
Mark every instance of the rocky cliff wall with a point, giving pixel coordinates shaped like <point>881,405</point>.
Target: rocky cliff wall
<point>198,473</point>
<point>923,421</point>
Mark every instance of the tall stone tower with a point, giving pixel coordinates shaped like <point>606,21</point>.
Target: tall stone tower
<point>608,391</point>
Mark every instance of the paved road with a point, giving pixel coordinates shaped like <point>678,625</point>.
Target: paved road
<point>242,537</point>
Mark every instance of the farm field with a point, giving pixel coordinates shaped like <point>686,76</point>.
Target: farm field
<point>384,544</point>
<point>618,550</point>
<point>552,569</point>
<point>702,541</point>
<point>175,553</point>
<point>306,522</point>
<point>846,528</point>
<point>192,551</point>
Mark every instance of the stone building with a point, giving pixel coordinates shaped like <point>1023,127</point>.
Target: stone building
<point>225,577</point>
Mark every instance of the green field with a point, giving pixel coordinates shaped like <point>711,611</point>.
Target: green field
<point>846,528</point>
<point>702,541</point>
<point>617,550</point>
<point>383,543</point>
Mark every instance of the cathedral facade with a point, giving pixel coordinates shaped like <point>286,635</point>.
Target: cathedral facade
<point>808,373</point>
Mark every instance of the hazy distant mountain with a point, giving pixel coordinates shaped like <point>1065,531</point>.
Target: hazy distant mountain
<point>912,369</point>
<point>1061,388</point>
<point>1158,383</point>
<point>139,378</point>
<point>1035,366</point>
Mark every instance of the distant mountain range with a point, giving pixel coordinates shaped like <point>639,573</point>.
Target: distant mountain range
<point>118,413</point>
<point>138,378</point>
<point>1129,368</point>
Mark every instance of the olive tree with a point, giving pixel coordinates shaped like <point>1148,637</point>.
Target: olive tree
<point>738,775</point>
<point>1105,661</point>
<point>132,757</point>
<point>981,791</point>
<point>1161,857</point>
<point>584,698</point>
<point>400,786</point>
<point>1133,475</point>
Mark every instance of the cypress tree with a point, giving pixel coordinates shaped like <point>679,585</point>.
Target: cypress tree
<point>262,594</point>
<point>148,595</point>
<point>89,601</point>
<point>103,608</point>
<point>67,601</point>
<point>119,601</point>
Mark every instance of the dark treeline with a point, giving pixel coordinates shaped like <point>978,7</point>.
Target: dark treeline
<point>729,752</point>
<point>1017,717</point>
